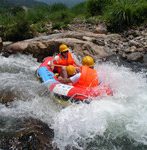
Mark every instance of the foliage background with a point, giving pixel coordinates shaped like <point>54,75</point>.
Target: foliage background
<point>18,22</point>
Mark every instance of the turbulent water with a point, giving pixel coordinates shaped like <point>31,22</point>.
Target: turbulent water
<point>118,122</point>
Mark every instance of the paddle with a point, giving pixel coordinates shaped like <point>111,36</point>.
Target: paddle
<point>55,65</point>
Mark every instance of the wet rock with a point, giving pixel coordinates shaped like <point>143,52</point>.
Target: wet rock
<point>134,43</point>
<point>141,50</point>
<point>131,33</point>
<point>6,43</point>
<point>113,36</point>
<point>101,29</point>
<point>36,135</point>
<point>16,47</point>
<point>6,54</point>
<point>1,44</point>
<point>145,59</point>
<point>86,52</point>
<point>99,41</point>
<point>29,134</point>
<point>88,38</point>
<point>95,50</point>
<point>130,49</point>
<point>136,56</point>
<point>7,96</point>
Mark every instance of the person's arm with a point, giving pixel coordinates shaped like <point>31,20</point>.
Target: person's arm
<point>72,79</point>
<point>75,78</point>
<point>51,63</point>
<point>64,80</point>
<point>55,59</point>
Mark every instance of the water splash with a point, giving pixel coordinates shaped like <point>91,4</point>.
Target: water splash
<point>30,98</point>
<point>102,121</point>
<point>117,116</point>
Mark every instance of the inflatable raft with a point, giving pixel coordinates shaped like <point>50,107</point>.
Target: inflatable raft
<point>68,92</point>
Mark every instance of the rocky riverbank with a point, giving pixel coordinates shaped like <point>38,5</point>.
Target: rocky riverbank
<point>85,40</point>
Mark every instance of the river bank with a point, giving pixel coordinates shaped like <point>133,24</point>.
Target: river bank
<point>130,45</point>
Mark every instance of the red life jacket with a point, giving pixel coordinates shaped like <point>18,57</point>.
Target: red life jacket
<point>88,78</point>
<point>64,61</point>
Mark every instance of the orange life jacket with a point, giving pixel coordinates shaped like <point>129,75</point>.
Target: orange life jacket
<point>88,78</point>
<point>64,61</point>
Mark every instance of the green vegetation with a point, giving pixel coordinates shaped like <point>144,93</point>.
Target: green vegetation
<point>79,10</point>
<point>125,13</point>
<point>96,7</point>
<point>18,23</point>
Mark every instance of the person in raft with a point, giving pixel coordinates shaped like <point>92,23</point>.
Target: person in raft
<point>64,58</point>
<point>87,77</point>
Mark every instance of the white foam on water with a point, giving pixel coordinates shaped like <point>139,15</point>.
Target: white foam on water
<point>32,99</point>
<point>124,113</point>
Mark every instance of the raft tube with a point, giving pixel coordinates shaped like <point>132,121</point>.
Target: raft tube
<point>65,91</point>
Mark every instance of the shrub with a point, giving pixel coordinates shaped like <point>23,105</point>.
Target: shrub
<point>19,31</point>
<point>96,7</point>
<point>60,19</point>
<point>79,9</point>
<point>39,27</point>
<point>141,12</point>
<point>37,14</point>
<point>57,7</point>
<point>59,25</point>
<point>95,20</point>
<point>124,13</point>
<point>15,10</point>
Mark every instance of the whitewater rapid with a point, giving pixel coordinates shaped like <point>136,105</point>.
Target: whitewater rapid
<point>121,115</point>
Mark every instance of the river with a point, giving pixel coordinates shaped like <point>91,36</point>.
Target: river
<point>116,122</point>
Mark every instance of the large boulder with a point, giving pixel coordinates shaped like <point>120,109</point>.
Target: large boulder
<point>16,47</point>
<point>81,43</point>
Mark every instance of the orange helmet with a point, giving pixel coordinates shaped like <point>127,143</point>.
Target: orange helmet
<point>63,48</point>
<point>70,70</point>
<point>88,61</point>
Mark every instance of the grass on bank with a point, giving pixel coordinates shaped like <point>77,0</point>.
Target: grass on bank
<point>125,13</point>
